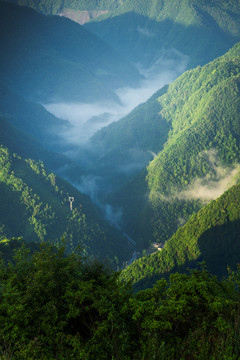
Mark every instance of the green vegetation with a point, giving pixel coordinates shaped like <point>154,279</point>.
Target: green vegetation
<point>53,7</point>
<point>54,59</point>
<point>54,306</point>
<point>198,152</point>
<point>34,204</point>
<point>203,108</point>
<point>211,235</point>
<point>201,29</point>
<point>31,118</point>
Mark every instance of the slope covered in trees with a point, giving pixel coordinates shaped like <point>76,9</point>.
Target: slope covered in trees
<point>31,118</point>
<point>35,205</point>
<point>200,29</point>
<point>211,235</point>
<point>54,59</point>
<point>199,159</point>
<point>54,306</point>
<point>54,7</point>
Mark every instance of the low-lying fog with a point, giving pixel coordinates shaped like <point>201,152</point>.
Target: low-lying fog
<point>88,118</point>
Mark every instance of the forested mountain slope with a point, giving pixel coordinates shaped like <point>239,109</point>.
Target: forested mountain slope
<point>200,29</point>
<point>51,58</point>
<point>199,159</point>
<point>31,118</point>
<point>35,205</point>
<point>129,144</point>
<point>211,235</point>
<point>54,7</point>
<point>27,146</point>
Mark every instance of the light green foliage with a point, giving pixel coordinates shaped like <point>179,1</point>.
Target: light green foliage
<point>53,7</point>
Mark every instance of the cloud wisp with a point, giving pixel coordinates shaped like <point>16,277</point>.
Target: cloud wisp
<point>86,119</point>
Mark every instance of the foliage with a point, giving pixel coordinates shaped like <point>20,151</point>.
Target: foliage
<point>54,306</point>
<point>54,7</point>
<point>211,235</point>
<point>35,205</point>
<point>201,109</point>
<point>142,29</point>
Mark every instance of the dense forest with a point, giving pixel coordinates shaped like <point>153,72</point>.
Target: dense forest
<point>38,201</point>
<point>194,127</point>
<point>119,180</point>
<point>54,306</point>
<point>211,235</point>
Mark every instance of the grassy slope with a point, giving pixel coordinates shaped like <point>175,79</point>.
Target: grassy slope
<point>211,235</point>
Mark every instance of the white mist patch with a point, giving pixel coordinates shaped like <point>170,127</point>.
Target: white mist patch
<point>89,185</point>
<point>214,184</point>
<point>206,189</point>
<point>86,119</point>
<point>145,32</point>
<point>165,69</point>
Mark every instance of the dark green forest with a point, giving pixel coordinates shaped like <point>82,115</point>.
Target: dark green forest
<point>211,235</point>
<point>35,205</point>
<point>54,306</point>
<point>86,282</point>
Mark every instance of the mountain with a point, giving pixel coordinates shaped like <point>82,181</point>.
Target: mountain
<point>196,119</point>
<point>31,118</point>
<point>211,235</point>
<point>27,146</point>
<point>141,29</point>
<point>35,205</point>
<point>54,59</point>
<point>54,7</point>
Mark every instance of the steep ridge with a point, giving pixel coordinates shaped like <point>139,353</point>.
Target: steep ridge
<point>35,205</point>
<point>200,29</point>
<point>31,118</point>
<point>27,146</point>
<point>211,235</point>
<point>200,155</point>
<point>52,58</point>
<point>54,7</point>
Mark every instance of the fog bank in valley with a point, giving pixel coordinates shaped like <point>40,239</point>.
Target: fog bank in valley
<point>86,119</point>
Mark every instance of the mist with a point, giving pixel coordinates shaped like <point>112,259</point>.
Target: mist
<point>86,119</point>
<point>206,189</point>
<point>218,180</point>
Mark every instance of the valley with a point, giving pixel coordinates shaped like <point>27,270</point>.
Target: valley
<point>120,129</point>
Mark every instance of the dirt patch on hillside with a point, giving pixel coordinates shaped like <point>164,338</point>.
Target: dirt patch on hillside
<point>81,16</point>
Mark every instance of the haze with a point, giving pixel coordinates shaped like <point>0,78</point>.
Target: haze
<point>89,118</point>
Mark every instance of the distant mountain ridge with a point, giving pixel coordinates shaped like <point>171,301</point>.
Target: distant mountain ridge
<point>202,30</point>
<point>54,59</point>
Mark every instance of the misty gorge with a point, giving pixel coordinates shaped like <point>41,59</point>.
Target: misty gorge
<point>119,179</point>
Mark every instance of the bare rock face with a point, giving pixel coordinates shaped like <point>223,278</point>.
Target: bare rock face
<point>81,16</point>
